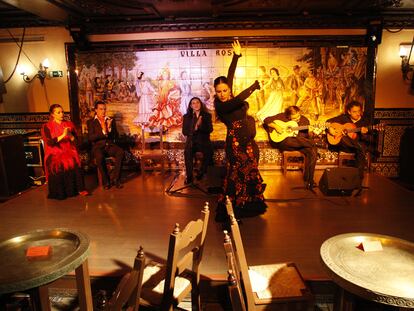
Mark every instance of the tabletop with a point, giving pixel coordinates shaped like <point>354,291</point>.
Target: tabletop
<point>69,249</point>
<point>385,276</point>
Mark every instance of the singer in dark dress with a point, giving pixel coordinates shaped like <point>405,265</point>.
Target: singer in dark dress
<point>102,133</point>
<point>197,126</point>
<point>243,182</point>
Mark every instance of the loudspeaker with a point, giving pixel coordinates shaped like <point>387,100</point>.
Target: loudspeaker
<point>340,181</point>
<point>14,175</point>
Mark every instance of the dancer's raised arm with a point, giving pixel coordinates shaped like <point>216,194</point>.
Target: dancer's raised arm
<point>232,69</point>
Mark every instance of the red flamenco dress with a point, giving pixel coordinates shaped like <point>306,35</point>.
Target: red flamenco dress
<point>62,163</point>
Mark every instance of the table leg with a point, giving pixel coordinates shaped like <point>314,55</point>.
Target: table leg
<point>40,298</point>
<point>83,283</point>
<point>344,301</point>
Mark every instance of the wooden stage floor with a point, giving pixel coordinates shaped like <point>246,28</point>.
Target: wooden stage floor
<point>297,222</point>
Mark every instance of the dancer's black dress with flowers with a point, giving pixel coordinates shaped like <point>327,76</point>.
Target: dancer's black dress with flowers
<point>243,183</point>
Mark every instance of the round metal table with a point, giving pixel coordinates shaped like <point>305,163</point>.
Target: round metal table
<point>385,276</point>
<point>70,250</point>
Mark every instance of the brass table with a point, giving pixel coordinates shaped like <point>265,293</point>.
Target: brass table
<point>385,276</point>
<point>70,250</point>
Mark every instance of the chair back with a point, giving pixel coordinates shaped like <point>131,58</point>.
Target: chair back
<point>128,290</point>
<point>285,287</point>
<point>159,138</point>
<point>234,278</point>
<point>185,253</point>
<point>152,159</point>
<point>240,256</point>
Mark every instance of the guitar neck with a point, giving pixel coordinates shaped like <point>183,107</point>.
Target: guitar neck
<point>358,129</point>
<point>355,130</point>
<point>300,128</point>
<point>348,130</point>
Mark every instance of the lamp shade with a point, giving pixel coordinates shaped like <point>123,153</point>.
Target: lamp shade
<point>46,63</point>
<point>21,69</point>
<point>405,49</point>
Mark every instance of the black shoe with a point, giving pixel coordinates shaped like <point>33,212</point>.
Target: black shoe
<point>188,181</point>
<point>107,187</point>
<point>310,185</point>
<point>119,185</point>
<point>358,191</point>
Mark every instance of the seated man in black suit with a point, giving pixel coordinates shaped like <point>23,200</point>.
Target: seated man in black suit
<point>197,126</point>
<point>102,133</point>
<point>286,141</point>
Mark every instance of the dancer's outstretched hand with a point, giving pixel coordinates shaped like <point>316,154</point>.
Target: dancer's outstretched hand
<point>256,85</point>
<point>236,47</point>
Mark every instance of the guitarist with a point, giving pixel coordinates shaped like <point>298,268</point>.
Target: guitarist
<point>353,115</point>
<point>302,142</point>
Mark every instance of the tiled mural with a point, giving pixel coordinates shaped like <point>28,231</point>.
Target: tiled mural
<point>154,87</point>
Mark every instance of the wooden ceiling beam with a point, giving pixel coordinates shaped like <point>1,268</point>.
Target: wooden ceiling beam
<point>42,8</point>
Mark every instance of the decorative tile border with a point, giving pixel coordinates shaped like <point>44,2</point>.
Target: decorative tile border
<point>396,121</point>
<point>23,123</point>
<point>394,114</point>
<point>386,162</point>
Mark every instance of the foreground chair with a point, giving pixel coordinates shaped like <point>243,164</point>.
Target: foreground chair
<point>235,289</point>
<point>275,286</point>
<point>165,285</point>
<point>129,288</point>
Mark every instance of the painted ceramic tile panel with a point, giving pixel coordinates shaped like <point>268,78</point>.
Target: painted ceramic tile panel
<point>154,87</point>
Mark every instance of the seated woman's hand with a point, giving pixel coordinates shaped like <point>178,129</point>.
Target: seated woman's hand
<point>66,131</point>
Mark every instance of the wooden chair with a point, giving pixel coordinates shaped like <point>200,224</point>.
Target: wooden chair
<point>235,290</point>
<point>152,159</point>
<point>344,158</point>
<point>128,291</point>
<point>165,285</point>
<point>292,159</point>
<point>198,161</point>
<point>277,286</point>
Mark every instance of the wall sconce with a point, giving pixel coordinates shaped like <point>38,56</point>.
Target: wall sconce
<point>406,49</point>
<point>41,74</point>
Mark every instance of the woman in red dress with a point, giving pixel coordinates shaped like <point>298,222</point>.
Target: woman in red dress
<point>62,163</point>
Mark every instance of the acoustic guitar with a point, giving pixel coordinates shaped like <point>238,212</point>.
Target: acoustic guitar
<point>348,129</point>
<point>288,129</point>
